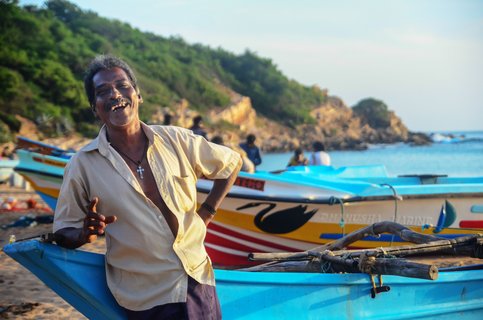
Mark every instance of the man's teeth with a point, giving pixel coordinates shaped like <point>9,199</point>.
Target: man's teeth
<point>119,107</point>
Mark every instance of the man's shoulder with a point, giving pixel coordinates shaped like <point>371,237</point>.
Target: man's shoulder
<point>80,156</point>
<point>90,146</point>
<point>168,130</point>
<point>84,153</point>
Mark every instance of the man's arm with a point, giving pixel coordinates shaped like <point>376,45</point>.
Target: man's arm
<point>218,193</point>
<point>94,225</point>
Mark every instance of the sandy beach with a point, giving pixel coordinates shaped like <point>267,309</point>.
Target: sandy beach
<point>23,295</point>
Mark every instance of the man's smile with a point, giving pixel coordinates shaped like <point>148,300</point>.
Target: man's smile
<point>117,105</point>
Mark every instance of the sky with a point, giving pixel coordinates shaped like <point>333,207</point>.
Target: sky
<point>423,58</point>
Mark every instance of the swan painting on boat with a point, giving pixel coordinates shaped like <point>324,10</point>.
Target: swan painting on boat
<point>281,221</point>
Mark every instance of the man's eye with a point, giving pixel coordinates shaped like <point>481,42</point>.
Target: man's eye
<point>102,92</point>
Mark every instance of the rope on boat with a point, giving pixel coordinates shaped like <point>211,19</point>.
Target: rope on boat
<point>334,200</point>
<point>326,266</point>
<point>396,197</point>
<point>366,263</point>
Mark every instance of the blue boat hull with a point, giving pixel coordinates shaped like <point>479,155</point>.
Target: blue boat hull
<point>79,278</point>
<point>347,296</point>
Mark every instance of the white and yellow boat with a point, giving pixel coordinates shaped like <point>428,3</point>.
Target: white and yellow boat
<point>303,207</point>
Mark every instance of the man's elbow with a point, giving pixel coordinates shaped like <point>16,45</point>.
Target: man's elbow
<point>238,166</point>
<point>68,238</point>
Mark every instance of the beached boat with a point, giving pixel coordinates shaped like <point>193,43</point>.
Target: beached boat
<point>79,278</point>
<point>44,172</point>
<point>41,147</point>
<point>296,209</point>
<point>306,206</point>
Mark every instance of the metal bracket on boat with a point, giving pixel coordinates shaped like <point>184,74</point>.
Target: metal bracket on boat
<point>381,288</point>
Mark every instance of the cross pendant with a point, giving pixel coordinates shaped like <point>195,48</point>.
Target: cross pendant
<point>140,171</point>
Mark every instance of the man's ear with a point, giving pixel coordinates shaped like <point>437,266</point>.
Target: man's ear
<point>93,109</point>
<point>140,98</point>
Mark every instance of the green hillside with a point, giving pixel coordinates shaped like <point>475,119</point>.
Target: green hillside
<point>44,51</point>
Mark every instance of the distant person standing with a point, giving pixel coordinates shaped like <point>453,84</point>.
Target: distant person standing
<point>197,128</point>
<point>253,153</point>
<point>167,119</point>
<point>298,159</point>
<point>319,157</point>
<point>248,165</point>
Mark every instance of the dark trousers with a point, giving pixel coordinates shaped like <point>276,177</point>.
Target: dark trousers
<point>202,303</point>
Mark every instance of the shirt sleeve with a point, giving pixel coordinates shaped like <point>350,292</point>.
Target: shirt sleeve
<point>71,205</point>
<point>212,160</point>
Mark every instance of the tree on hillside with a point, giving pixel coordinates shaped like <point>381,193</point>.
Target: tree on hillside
<point>373,112</point>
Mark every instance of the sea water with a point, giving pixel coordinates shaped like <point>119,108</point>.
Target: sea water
<point>461,156</point>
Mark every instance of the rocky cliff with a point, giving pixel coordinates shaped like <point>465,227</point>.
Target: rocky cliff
<point>335,124</point>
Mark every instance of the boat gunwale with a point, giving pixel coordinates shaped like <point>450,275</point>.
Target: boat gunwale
<point>242,276</point>
<point>347,199</point>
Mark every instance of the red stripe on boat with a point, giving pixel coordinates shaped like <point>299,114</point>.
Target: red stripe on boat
<point>231,244</point>
<point>235,234</point>
<point>471,224</point>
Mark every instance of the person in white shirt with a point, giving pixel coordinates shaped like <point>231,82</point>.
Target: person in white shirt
<point>319,157</point>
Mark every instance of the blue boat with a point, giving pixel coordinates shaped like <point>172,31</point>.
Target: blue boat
<point>79,278</point>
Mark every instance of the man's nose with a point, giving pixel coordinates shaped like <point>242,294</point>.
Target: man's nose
<point>115,93</point>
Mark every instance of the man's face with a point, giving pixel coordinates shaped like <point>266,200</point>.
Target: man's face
<point>117,102</point>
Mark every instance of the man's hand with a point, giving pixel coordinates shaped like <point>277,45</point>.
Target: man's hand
<point>94,223</point>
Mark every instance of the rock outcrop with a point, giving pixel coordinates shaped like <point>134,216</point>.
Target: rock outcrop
<point>335,124</point>
<point>240,113</point>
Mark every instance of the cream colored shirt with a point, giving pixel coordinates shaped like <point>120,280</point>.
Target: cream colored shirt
<point>146,265</point>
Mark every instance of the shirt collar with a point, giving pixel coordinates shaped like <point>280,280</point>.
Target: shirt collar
<point>102,144</point>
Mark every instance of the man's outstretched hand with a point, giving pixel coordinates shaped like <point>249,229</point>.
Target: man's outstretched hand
<point>94,223</point>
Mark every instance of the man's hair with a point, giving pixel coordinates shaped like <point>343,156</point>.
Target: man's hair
<point>217,140</point>
<point>251,138</point>
<point>197,120</point>
<point>105,62</point>
<point>318,146</point>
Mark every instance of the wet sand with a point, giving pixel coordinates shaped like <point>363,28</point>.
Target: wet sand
<point>23,295</point>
